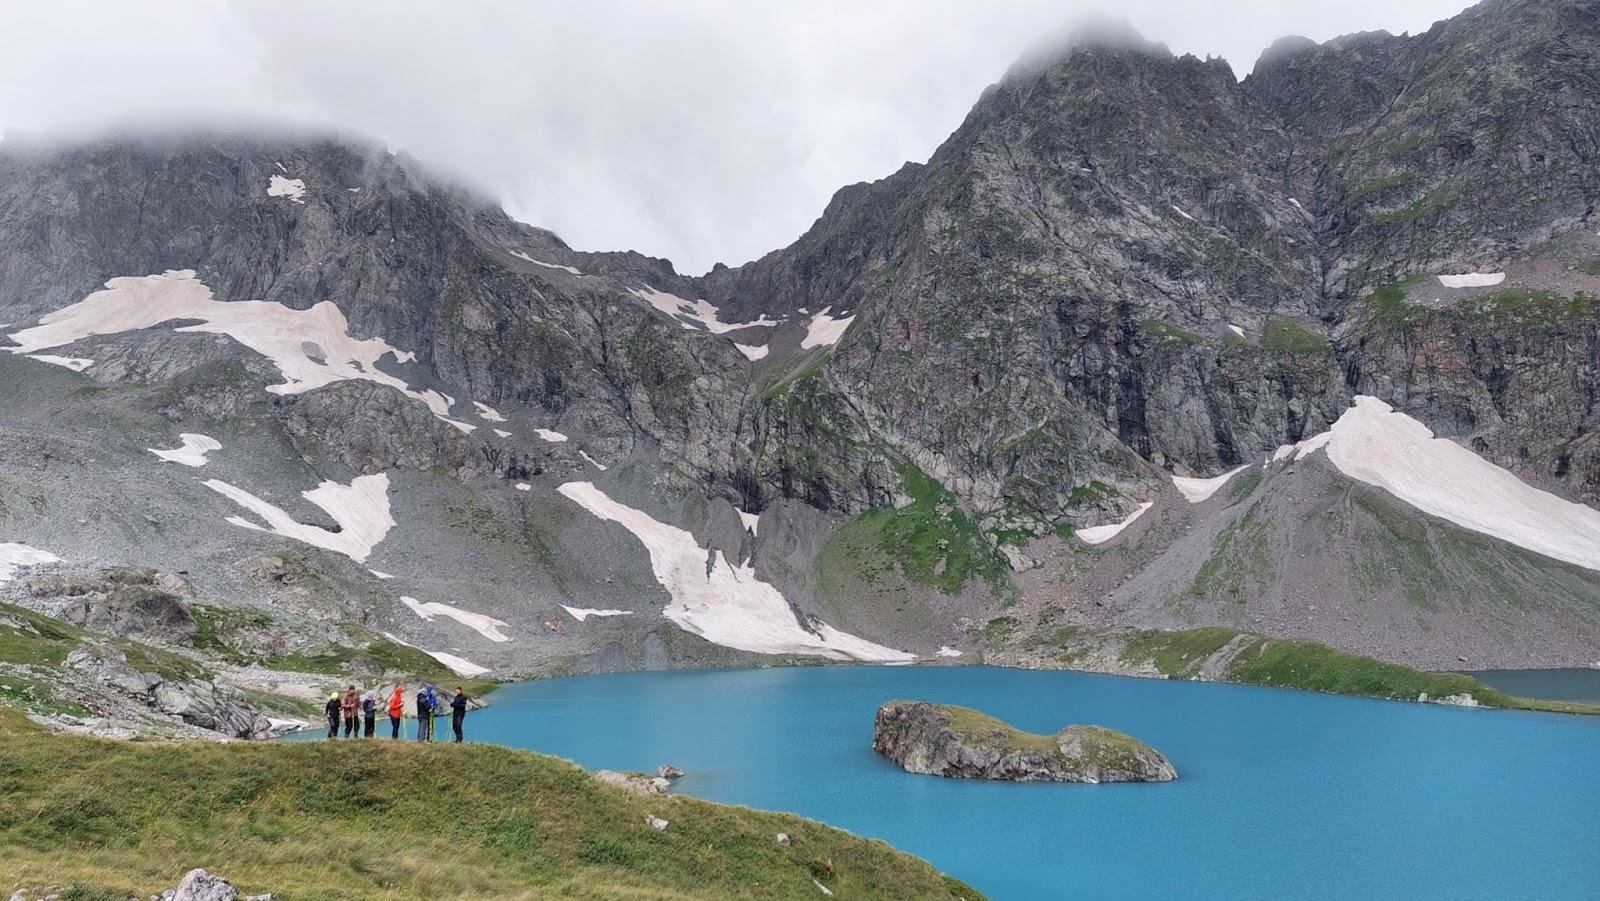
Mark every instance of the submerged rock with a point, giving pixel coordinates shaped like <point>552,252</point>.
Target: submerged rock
<point>944,740</point>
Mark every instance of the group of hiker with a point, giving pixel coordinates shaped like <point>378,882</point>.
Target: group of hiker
<point>358,712</point>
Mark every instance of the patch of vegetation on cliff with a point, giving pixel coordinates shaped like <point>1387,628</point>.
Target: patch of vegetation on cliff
<point>1176,654</point>
<point>1287,336</point>
<point>1525,307</point>
<point>1387,304</point>
<point>1434,202</point>
<point>931,540</point>
<point>1161,333</point>
<point>403,820</point>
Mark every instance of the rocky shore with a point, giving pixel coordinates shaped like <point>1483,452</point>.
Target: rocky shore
<point>944,740</point>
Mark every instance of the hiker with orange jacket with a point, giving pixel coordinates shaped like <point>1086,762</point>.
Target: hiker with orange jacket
<point>397,710</point>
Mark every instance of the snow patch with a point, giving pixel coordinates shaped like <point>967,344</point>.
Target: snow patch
<point>292,188</point>
<point>1236,330</point>
<point>1180,212</point>
<point>1375,444</point>
<point>524,486</point>
<point>699,313</point>
<point>311,348</point>
<point>361,509</point>
<point>592,461</point>
<point>824,330</point>
<point>502,433</point>
<point>487,626</point>
<point>488,413</point>
<point>76,364</point>
<point>750,351</point>
<point>751,521</point>
<point>552,437</point>
<point>459,665</point>
<point>1102,534</point>
<point>15,556</point>
<point>1299,450</point>
<point>582,613</point>
<point>384,576</point>
<point>945,651</point>
<point>1197,490</point>
<point>721,603</point>
<point>1472,280</point>
<point>192,453</point>
<point>522,256</point>
<point>1297,205</point>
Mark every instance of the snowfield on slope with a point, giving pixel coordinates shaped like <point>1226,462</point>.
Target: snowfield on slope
<point>292,188</point>
<point>193,451</point>
<point>1472,280</point>
<point>728,605</point>
<point>699,313</point>
<point>461,666</point>
<point>825,331</point>
<point>1102,534</point>
<point>1197,490</point>
<point>16,556</point>
<point>582,613</point>
<point>311,348</point>
<point>487,626</point>
<point>361,509</point>
<point>1373,443</point>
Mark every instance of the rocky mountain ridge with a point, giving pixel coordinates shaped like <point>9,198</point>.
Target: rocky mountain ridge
<point>987,388</point>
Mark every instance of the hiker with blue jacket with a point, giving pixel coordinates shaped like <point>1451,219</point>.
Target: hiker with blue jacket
<point>424,716</point>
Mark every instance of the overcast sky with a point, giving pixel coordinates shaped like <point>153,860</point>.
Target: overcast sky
<point>698,130</point>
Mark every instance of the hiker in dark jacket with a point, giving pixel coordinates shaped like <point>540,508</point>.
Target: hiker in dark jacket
<point>350,706</point>
<point>424,716</point>
<point>332,710</point>
<point>369,713</point>
<point>458,712</point>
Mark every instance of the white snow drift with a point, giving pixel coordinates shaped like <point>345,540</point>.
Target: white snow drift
<point>552,437</point>
<point>1102,534</point>
<point>461,666</point>
<point>488,413</point>
<point>76,364</point>
<point>727,605</point>
<point>751,352</point>
<point>16,556</point>
<point>310,348</point>
<point>1472,280</point>
<point>592,461</point>
<point>361,509</point>
<point>487,626</point>
<point>1197,490</point>
<point>522,256</point>
<point>582,613</point>
<point>192,452</point>
<point>1374,444</point>
<point>698,313</point>
<point>292,188</point>
<point>824,330</point>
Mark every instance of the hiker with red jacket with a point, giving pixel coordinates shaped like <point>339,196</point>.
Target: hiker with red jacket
<point>350,707</point>
<point>397,710</point>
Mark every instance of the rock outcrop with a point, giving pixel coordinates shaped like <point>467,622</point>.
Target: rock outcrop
<point>944,740</point>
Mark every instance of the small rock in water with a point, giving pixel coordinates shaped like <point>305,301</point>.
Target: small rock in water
<point>656,823</point>
<point>668,771</point>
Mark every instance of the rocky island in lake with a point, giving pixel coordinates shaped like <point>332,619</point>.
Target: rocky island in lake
<point>945,740</point>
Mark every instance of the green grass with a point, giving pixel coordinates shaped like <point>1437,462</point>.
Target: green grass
<point>1592,267</point>
<point>1101,746</point>
<point>1387,304</point>
<point>1287,336</point>
<point>931,540</point>
<point>1162,333</point>
<point>1176,653</point>
<point>1528,307</point>
<point>400,820</point>
<point>1436,201</point>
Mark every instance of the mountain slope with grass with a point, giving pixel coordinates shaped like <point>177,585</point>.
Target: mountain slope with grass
<point>401,820</point>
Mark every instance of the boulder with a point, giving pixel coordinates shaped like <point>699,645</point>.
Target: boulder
<point>638,783</point>
<point>944,740</point>
<point>668,771</point>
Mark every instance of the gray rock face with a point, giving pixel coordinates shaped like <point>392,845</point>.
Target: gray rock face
<point>942,740</point>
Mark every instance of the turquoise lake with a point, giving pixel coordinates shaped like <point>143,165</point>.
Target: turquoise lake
<point>1280,793</point>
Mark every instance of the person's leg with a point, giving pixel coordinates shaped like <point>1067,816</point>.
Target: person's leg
<point>333,727</point>
<point>367,727</point>
<point>422,728</point>
<point>394,727</point>
<point>455,723</point>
